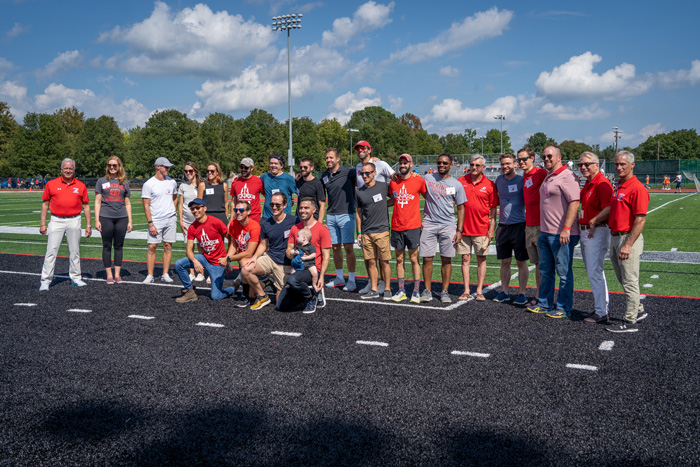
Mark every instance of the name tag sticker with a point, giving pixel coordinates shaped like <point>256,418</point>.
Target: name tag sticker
<point>512,188</point>
<point>377,198</point>
<point>581,213</point>
<point>209,191</point>
<point>325,180</point>
<point>450,190</point>
<point>105,186</point>
<point>275,190</point>
<point>528,183</point>
<point>286,234</point>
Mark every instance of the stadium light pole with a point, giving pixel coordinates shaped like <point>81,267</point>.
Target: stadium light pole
<point>501,118</point>
<point>351,130</point>
<point>287,23</point>
<point>617,132</point>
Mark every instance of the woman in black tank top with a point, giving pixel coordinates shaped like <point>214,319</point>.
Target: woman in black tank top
<point>214,191</point>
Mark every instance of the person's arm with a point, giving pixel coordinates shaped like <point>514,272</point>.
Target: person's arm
<point>241,256</point>
<point>637,227</point>
<point>127,205</point>
<point>98,206</point>
<point>601,218</point>
<point>460,224</point>
<point>259,251</point>
<point>569,219</point>
<point>325,260</point>
<point>227,200</point>
<point>147,211</point>
<point>190,254</point>
<point>180,207</point>
<point>200,190</point>
<point>88,219</point>
<point>322,211</point>
<point>44,211</point>
<point>492,224</point>
<point>290,250</point>
<point>358,222</point>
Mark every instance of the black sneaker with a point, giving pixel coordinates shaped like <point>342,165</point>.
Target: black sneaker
<point>242,303</point>
<point>310,306</point>
<point>641,316</point>
<point>624,327</point>
<point>372,294</point>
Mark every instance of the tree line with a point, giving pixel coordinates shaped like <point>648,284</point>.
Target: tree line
<point>41,141</point>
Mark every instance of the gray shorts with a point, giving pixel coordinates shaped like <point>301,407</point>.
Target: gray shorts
<point>402,239</point>
<point>167,230</point>
<point>434,235</point>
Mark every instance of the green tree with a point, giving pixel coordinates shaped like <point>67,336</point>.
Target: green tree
<point>411,121</point>
<point>307,141</point>
<point>135,162</point>
<point>100,138</point>
<point>171,134</point>
<point>571,150</point>
<point>39,146</point>
<point>332,135</point>
<point>8,130</point>
<point>492,142</point>
<point>425,143</point>
<point>539,141</point>
<point>372,115</point>
<point>677,144</point>
<point>264,135</point>
<point>222,138</point>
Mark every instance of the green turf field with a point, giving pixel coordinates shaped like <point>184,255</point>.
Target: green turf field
<point>671,223</point>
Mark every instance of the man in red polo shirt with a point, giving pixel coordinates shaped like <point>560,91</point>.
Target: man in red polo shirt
<point>595,234</point>
<point>626,218</point>
<point>247,187</point>
<point>479,223</point>
<point>533,177</point>
<point>66,197</point>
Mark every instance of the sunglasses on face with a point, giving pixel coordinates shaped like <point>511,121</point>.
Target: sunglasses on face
<point>585,164</point>
<point>244,167</point>
<point>360,148</point>
<point>366,174</point>
<point>239,210</point>
<point>275,205</point>
<point>443,163</point>
<point>212,171</point>
<point>196,208</point>
<point>548,156</point>
<point>523,159</point>
<point>189,171</point>
<point>112,165</point>
<point>474,165</point>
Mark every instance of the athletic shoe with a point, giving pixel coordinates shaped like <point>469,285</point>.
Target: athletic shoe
<point>118,280</point>
<point>381,287</point>
<point>350,286</point>
<point>199,278</point>
<point>166,278</point>
<point>537,309</point>
<point>426,296</point>
<point>260,302</point>
<point>387,294</point>
<point>335,282</point>
<point>445,297</point>
<point>366,288</point>
<point>641,316</point>
<point>310,306</point>
<point>268,282</point>
<point>78,283</point>
<point>520,300</point>
<point>110,281</point>
<point>44,287</point>
<point>624,327</point>
<point>320,299</point>
<point>149,279</point>
<point>208,280</point>
<point>557,314</point>
<point>189,296</point>
<point>401,296</point>
<point>242,303</point>
<point>236,283</point>
<point>415,298</point>
<point>192,276</point>
<point>595,319</point>
<point>502,297</point>
<point>370,295</point>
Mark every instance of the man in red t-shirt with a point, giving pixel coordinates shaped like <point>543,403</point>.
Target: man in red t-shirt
<point>245,233</point>
<point>479,223</point>
<point>210,233</point>
<point>247,187</point>
<point>406,224</point>
<point>595,234</point>
<point>533,177</point>
<point>298,284</point>
<point>66,197</point>
<point>627,215</point>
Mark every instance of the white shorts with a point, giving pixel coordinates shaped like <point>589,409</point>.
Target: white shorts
<point>167,230</point>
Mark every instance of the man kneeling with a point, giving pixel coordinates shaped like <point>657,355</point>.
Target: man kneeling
<point>210,232</point>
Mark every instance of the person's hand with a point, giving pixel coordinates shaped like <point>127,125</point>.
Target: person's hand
<point>457,238</point>
<point>591,229</point>
<point>152,230</point>
<point>251,262</point>
<point>624,252</point>
<point>129,227</point>
<point>198,267</point>
<point>223,261</point>
<point>359,240</point>
<point>319,284</point>
<point>564,237</point>
<point>396,176</point>
<point>88,231</point>
<point>98,225</point>
<point>42,230</point>
<point>490,235</point>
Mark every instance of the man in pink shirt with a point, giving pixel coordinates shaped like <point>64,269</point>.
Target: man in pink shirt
<point>559,234</point>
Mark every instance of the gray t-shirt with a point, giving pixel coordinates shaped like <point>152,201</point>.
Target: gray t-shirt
<point>373,203</point>
<point>383,173</point>
<point>188,193</point>
<point>510,195</point>
<point>113,196</point>
<point>441,197</point>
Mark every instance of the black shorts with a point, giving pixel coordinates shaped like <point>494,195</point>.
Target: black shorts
<point>402,239</point>
<point>511,238</point>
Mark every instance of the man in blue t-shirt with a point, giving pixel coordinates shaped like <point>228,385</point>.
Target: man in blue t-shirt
<point>277,181</point>
<point>510,236</point>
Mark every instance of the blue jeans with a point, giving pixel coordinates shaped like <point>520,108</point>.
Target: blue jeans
<point>297,292</point>
<point>216,274</point>
<point>556,258</point>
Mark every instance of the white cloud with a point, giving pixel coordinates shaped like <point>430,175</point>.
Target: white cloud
<point>452,110</point>
<point>651,130</point>
<point>368,17</point>
<point>344,106</point>
<point>560,112</point>
<point>472,29</point>
<point>5,67</point>
<point>680,78</point>
<point>395,104</point>
<point>62,63</point>
<point>127,113</point>
<point>16,30</point>
<point>16,97</point>
<point>193,41</point>
<point>450,71</point>
<point>105,79</point>
<point>129,82</point>
<point>575,79</point>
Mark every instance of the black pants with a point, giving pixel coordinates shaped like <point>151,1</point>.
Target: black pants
<point>298,291</point>
<point>113,231</point>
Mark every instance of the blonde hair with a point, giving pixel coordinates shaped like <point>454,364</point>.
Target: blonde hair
<point>120,170</point>
<point>306,233</point>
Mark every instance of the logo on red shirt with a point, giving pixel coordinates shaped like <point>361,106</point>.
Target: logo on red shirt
<point>207,245</point>
<point>403,198</point>
<point>245,195</point>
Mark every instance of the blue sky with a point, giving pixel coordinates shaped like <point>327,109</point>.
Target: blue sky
<point>571,70</point>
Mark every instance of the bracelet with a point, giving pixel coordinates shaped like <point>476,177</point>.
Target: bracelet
<point>150,222</point>
<point>359,233</point>
<point>566,228</point>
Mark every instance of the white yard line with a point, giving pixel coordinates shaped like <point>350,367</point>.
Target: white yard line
<point>375,343</point>
<point>470,354</point>
<point>666,204</point>
<point>607,345</point>
<point>284,333</point>
<point>576,366</point>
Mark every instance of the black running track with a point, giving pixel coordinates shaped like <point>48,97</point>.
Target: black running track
<point>100,388</point>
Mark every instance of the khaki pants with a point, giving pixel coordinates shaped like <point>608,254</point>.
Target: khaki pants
<point>627,272</point>
<point>58,227</point>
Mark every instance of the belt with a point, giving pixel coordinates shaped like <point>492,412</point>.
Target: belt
<point>587,226</point>
<point>619,234</point>
<point>66,217</point>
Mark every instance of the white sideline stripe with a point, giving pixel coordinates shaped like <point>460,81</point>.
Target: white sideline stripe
<point>389,303</point>
<point>283,333</point>
<point>79,310</point>
<point>607,345</point>
<point>156,284</point>
<point>25,304</point>
<point>672,201</point>
<point>648,286</point>
<point>211,325</point>
<point>582,367</point>
<point>655,276</point>
<point>141,317</point>
<point>470,354</point>
<point>379,344</point>
<point>673,250</point>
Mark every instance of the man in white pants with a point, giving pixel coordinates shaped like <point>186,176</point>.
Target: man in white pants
<point>66,197</point>
<point>159,196</point>
<point>595,233</point>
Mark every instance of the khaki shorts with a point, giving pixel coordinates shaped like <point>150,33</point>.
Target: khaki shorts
<point>278,272</point>
<point>532,233</point>
<point>480,245</point>
<point>376,246</point>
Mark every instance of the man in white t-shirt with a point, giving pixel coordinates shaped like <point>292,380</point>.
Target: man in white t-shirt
<point>159,196</point>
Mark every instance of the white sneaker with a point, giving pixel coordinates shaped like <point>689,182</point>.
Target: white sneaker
<point>335,282</point>
<point>381,286</point>
<point>148,280</point>
<point>44,287</point>
<point>78,283</point>
<point>166,278</point>
<point>191,277</point>
<point>199,278</point>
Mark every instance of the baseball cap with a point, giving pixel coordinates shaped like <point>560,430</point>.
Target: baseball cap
<point>197,201</point>
<point>164,162</point>
<point>406,156</point>
<point>247,161</point>
<point>362,143</point>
